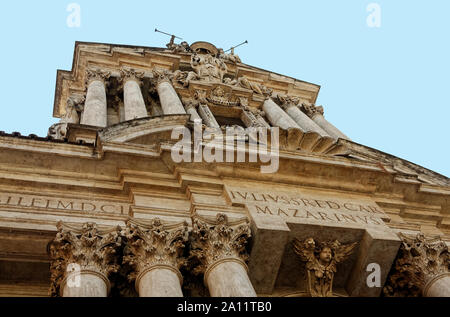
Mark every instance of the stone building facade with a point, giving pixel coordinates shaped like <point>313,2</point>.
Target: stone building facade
<point>99,207</point>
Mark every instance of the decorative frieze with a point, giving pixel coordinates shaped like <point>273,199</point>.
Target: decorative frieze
<point>321,259</point>
<point>76,250</point>
<point>419,262</point>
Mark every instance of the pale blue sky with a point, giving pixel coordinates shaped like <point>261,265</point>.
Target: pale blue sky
<point>385,87</point>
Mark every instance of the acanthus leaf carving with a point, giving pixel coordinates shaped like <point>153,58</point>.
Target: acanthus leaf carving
<point>153,243</point>
<point>86,246</point>
<point>419,260</point>
<point>219,239</point>
<point>321,259</point>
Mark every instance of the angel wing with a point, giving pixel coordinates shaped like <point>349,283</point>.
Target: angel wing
<point>304,249</point>
<point>342,252</point>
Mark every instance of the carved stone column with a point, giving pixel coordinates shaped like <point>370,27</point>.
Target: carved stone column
<point>170,103</point>
<point>82,258</point>
<point>290,106</point>
<point>154,252</point>
<point>219,247</point>
<point>277,117</point>
<point>133,101</point>
<point>190,106</point>
<point>95,107</point>
<point>316,114</point>
<point>422,268</point>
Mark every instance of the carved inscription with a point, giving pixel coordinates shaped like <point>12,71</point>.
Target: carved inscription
<point>62,204</point>
<point>306,208</point>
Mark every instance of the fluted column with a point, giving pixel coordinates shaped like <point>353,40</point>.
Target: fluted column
<point>277,117</point>
<point>154,252</point>
<point>219,247</point>
<point>316,114</point>
<point>133,101</point>
<point>95,107</point>
<point>422,268</point>
<point>82,258</point>
<point>290,106</point>
<point>170,103</point>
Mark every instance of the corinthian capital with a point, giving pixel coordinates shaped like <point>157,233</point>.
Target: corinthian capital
<point>311,110</point>
<point>85,247</point>
<point>131,74</point>
<point>162,75</point>
<point>154,244</point>
<point>96,74</point>
<point>418,262</point>
<point>287,101</point>
<point>219,239</point>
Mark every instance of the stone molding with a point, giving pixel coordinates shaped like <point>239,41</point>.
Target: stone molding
<point>218,240</point>
<point>87,246</point>
<point>420,261</point>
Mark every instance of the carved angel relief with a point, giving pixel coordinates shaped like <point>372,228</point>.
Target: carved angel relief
<point>321,260</point>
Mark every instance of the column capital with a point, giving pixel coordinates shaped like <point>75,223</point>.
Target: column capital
<point>217,240</point>
<point>162,75</point>
<point>189,103</point>
<point>93,74</point>
<point>131,74</point>
<point>311,110</point>
<point>420,261</point>
<point>154,244</point>
<point>82,248</point>
<point>287,101</point>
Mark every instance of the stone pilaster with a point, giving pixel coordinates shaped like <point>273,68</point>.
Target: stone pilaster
<point>133,101</point>
<point>219,247</point>
<point>316,114</point>
<point>95,106</point>
<point>154,252</point>
<point>82,258</point>
<point>422,268</point>
<point>170,102</point>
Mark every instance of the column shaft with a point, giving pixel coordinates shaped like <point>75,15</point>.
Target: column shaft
<point>133,101</point>
<point>95,113</point>
<point>438,287</point>
<point>277,116</point>
<point>305,123</point>
<point>85,284</point>
<point>207,116</point>
<point>170,102</point>
<point>159,282</point>
<point>328,127</point>
<point>194,114</point>
<point>229,278</point>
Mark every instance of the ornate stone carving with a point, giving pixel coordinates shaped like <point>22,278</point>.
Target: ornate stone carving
<point>245,83</point>
<point>183,47</point>
<point>152,244</point>
<point>220,97</point>
<point>131,74</point>
<point>87,246</point>
<point>419,260</point>
<point>161,75</point>
<point>321,260</point>
<point>217,240</point>
<point>96,74</point>
<point>73,106</point>
<point>287,101</point>
<point>311,110</point>
<point>228,57</point>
